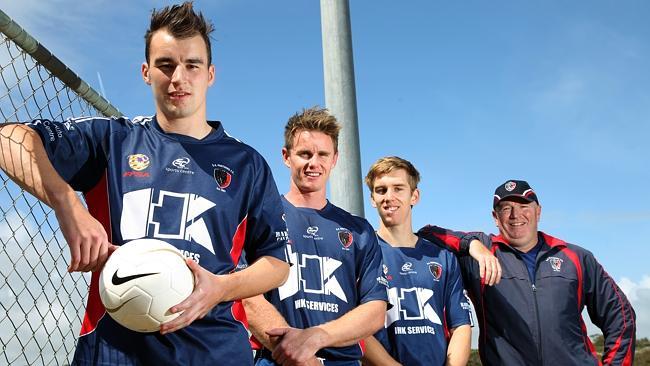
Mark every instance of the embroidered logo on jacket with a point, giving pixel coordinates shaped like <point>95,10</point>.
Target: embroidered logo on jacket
<point>556,263</point>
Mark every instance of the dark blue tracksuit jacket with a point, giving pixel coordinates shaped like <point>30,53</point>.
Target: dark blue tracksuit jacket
<point>540,323</point>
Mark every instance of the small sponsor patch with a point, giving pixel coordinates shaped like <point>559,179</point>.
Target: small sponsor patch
<point>510,186</point>
<point>407,266</point>
<point>181,163</point>
<point>138,162</point>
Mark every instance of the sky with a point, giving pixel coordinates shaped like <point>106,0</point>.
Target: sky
<point>473,93</point>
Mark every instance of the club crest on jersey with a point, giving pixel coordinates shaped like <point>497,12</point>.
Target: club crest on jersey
<point>436,270</point>
<point>556,263</point>
<point>139,162</point>
<point>345,237</point>
<point>510,186</point>
<point>223,177</point>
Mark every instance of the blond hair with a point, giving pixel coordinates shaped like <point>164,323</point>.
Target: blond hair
<point>390,164</point>
<point>312,119</point>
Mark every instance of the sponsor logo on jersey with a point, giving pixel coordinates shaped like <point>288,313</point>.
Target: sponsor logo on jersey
<point>68,125</point>
<point>345,237</point>
<point>166,215</point>
<point>385,268</point>
<point>139,162</point>
<point>407,269</point>
<point>132,173</point>
<point>282,235</point>
<point>556,263</point>
<point>180,166</point>
<point>312,233</point>
<point>510,186</point>
<point>223,176</point>
<point>467,305</point>
<point>436,270</point>
<point>52,135</point>
<point>181,163</point>
<point>312,274</point>
<point>411,304</point>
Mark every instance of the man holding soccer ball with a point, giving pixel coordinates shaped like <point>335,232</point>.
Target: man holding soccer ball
<point>175,177</point>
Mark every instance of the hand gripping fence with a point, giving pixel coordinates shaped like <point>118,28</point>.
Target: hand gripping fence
<point>41,305</point>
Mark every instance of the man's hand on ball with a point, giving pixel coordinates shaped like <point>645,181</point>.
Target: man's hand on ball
<point>208,292</point>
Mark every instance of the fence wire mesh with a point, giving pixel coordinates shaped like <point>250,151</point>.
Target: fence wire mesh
<point>41,304</point>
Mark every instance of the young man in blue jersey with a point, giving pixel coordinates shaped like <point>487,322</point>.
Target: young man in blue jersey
<point>174,176</point>
<point>424,281</point>
<point>335,295</point>
<point>534,315</point>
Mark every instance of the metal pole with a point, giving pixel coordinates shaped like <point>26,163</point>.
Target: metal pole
<point>340,98</point>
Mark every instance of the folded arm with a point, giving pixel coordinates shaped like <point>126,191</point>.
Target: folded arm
<point>298,345</point>
<point>24,160</point>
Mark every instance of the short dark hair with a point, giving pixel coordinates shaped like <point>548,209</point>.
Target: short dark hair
<point>181,21</point>
<point>312,119</point>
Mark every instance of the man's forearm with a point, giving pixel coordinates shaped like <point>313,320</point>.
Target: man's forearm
<point>459,346</point>
<point>355,325</point>
<point>265,274</point>
<point>376,355</point>
<point>25,161</point>
<point>263,316</point>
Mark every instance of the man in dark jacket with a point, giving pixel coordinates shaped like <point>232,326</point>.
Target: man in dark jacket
<point>533,316</point>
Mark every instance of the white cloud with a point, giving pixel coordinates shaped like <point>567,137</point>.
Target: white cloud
<point>639,295</point>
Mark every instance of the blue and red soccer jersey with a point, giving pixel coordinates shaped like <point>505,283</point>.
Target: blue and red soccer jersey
<point>213,199</point>
<point>425,290</point>
<point>336,266</point>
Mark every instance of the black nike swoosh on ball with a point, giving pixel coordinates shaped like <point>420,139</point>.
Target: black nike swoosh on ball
<point>119,307</point>
<point>117,280</point>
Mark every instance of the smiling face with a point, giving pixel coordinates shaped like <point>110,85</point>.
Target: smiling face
<point>517,221</point>
<point>310,159</point>
<point>392,196</point>
<point>179,75</point>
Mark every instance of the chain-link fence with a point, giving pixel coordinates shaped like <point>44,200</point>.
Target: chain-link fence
<point>41,305</point>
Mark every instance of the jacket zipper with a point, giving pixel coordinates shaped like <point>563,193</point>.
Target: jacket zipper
<point>539,327</point>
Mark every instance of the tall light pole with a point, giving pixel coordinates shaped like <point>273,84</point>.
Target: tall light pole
<point>340,98</point>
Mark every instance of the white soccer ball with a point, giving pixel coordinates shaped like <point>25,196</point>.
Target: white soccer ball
<point>141,280</point>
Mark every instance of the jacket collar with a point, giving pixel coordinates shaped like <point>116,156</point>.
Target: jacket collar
<point>547,239</point>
